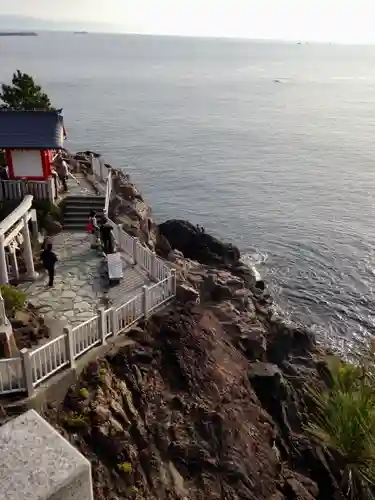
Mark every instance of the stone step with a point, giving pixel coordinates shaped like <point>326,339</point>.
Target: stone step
<point>75,226</point>
<point>84,199</point>
<point>82,206</point>
<point>83,211</point>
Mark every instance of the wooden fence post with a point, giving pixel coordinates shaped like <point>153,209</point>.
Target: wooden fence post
<point>154,268</point>
<point>114,321</point>
<point>102,325</point>
<point>146,304</point>
<point>174,281</point>
<point>135,246</point>
<point>69,345</point>
<point>50,189</point>
<point>27,371</point>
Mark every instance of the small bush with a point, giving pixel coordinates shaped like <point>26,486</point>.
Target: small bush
<point>133,489</point>
<point>75,420</point>
<point>125,467</point>
<point>344,421</point>
<point>84,393</point>
<point>13,298</point>
<point>44,208</point>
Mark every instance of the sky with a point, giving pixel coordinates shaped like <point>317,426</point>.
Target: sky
<point>346,21</point>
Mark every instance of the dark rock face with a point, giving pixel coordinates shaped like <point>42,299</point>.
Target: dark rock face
<point>197,415</point>
<point>195,244</point>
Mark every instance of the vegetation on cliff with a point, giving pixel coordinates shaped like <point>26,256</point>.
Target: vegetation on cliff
<point>344,421</point>
<point>24,94</point>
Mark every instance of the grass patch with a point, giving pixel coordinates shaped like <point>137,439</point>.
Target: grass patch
<point>125,467</point>
<point>74,420</point>
<point>83,393</point>
<point>344,421</point>
<point>14,299</point>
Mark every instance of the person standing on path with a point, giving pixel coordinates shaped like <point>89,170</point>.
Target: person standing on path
<point>63,173</point>
<point>49,259</point>
<point>93,229</point>
<point>106,236</point>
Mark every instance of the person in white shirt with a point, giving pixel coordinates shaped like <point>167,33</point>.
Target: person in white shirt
<point>64,172</point>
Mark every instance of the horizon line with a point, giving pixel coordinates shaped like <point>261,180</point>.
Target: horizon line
<point>269,39</point>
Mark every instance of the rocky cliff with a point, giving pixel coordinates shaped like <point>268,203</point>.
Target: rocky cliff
<point>207,399</point>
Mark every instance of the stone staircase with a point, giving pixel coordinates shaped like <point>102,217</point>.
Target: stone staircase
<point>77,210</point>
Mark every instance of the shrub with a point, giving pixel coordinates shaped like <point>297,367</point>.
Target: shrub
<point>125,467</point>
<point>13,298</point>
<point>344,421</point>
<point>44,208</point>
<point>74,420</point>
<point>84,393</point>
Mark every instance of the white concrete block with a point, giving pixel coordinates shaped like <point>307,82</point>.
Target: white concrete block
<point>37,463</point>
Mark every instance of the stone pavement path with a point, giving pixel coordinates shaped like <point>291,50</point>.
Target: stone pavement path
<point>84,188</point>
<point>80,282</point>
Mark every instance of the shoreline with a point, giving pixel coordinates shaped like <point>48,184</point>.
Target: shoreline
<point>206,398</point>
<point>217,358</point>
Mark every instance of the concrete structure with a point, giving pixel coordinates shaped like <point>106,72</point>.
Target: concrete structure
<point>13,227</point>
<point>37,463</point>
<point>6,333</point>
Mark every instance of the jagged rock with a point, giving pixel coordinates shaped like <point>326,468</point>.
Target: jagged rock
<point>163,247</point>
<point>195,244</point>
<point>186,293</point>
<point>173,255</point>
<point>8,346</point>
<point>28,328</point>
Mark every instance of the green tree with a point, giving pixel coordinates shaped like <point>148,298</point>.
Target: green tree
<point>24,94</point>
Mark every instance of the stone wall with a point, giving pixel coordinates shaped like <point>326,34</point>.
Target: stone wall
<point>37,463</point>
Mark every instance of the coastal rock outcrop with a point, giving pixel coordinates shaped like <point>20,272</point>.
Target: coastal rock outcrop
<point>198,245</point>
<point>207,399</point>
<point>128,208</point>
<point>203,403</point>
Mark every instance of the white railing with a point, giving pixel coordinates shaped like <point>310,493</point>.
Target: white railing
<point>129,313</point>
<point>33,367</point>
<point>126,242</point>
<point>98,167</point>
<point>108,191</point>
<point>85,336</point>
<point>18,189</point>
<point>160,293</point>
<point>11,376</point>
<point>25,373</point>
<point>48,359</point>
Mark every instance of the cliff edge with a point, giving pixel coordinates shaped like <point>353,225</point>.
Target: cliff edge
<point>207,399</point>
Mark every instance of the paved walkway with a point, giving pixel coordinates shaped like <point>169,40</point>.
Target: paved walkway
<point>80,283</point>
<point>84,188</point>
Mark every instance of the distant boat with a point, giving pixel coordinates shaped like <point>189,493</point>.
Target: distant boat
<point>80,32</point>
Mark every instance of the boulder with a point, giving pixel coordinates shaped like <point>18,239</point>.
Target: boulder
<point>8,346</point>
<point>195,244</point>
<point>186,293</point>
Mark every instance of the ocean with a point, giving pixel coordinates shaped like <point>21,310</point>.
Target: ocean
<point>268,145</point>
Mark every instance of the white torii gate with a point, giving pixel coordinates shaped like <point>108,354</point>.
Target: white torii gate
<point>18,221</point>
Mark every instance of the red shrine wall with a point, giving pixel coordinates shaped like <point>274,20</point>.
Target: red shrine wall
<point>29,163</point>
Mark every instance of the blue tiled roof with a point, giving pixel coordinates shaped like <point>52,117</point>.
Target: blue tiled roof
<point>31,130</point>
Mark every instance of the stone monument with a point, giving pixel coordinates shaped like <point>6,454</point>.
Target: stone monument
<point>37,463</point>
<point>8,344</point>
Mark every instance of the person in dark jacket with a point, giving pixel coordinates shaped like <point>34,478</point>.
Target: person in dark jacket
<point>49,259</point>
<point>106,236</point>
